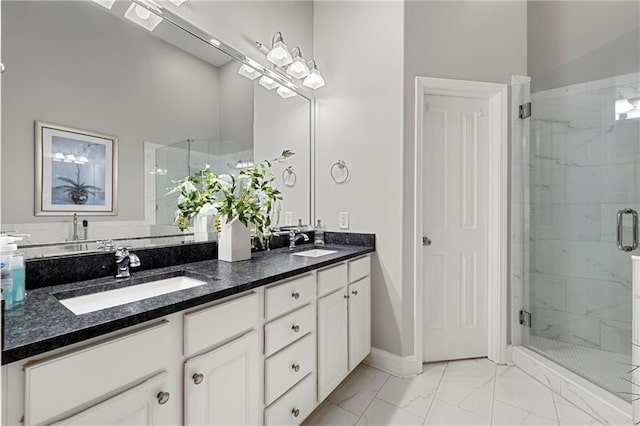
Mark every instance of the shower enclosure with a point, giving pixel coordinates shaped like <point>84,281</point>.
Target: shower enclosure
<point>579,177</point>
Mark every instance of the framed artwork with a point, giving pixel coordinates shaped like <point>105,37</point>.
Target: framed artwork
<point>76,172</point>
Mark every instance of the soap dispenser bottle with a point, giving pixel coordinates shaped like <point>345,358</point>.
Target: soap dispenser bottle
<point>318,234</point>
<point>12,278</point>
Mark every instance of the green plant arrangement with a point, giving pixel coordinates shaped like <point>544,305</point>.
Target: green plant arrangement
<point>251,197</point>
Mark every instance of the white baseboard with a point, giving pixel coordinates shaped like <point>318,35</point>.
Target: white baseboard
<point>400,366</point>
<point>606,407</point>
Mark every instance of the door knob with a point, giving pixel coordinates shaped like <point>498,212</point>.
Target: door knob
<point>426,241</point>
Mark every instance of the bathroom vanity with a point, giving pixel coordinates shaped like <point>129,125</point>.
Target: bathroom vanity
<point>263,341</point>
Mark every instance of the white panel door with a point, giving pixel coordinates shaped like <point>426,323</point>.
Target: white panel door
<point>149,403</point>
<point>359,321</point>
<point>333,364</point>
<point>455,192</point>
<point>221,386</point>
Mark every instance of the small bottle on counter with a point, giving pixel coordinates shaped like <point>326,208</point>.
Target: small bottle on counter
<point>318,234</point>
<point>12,277</point>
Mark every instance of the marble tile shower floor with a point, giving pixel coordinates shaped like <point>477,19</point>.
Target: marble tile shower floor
<point>609,370</point>
<point>468,392</point>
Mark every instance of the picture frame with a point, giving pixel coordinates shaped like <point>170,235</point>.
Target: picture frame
<point>76,171</point>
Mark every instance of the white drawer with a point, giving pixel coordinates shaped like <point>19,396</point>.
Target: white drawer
<point>90,373</point>
<point>331,279</point>
<point>288,296</point>
<point>287,367</point>
<point>294,406</point>
<point>207,327</point>
<point>359,268</point>
<point>291,327</point>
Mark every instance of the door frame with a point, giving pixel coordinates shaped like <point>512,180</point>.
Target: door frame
<point>497,303</point>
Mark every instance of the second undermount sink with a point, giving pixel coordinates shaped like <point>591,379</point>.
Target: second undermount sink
<point>315,253</point>
<point>109,298</point>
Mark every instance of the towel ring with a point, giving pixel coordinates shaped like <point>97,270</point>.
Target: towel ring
<point>340,172</point>
<point>289,176</point>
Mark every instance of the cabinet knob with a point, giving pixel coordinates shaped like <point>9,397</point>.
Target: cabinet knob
<point>295,295</point>
<point>198,378</point>
<point>346,296</point>
<point>295,412</point>
<point>163,397</point>
<point>296,367</point>
<point>354,292</point>
<point>295,328</point>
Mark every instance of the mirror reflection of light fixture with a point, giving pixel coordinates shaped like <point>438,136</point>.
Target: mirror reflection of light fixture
<point>141,16</point>
<point>279,53</point>
<point>298,68</point>
<point>285,92</point>
<point>626,109</point>
<point>69,158</point>
<point>178,2</point>
<point>246,71</point>
<point>107,4</point>
<point>215,41</point>
<point>58,156</point>
<point>314,80</point>
<point>267,83</point>
<point>241,164</point>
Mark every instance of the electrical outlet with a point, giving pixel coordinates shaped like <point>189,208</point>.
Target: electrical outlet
<point>288,218</point>
<point>343,220</point>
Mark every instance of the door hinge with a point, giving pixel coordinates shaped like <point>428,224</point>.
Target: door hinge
<point>525,110</point>
<point>525,318</point>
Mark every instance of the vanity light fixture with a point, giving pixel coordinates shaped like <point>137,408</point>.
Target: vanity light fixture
<point>58,156</point>
<point>285,92</point>
<point>267,83</point>
<point>298,68</point>
<point>141,16</point>
<point>69,158</point>
<point>241,164</point>
<point>314,80</point>
<point>107,4</point>
<point>246,71</point>
<point>279,54</point>
<point>178,2</point>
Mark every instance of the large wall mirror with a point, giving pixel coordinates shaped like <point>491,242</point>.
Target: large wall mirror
<point>163,103</point>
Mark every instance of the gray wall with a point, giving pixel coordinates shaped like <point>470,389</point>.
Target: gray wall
<point>572,42</point>
<point>89,70</point>
<point>474,40</point>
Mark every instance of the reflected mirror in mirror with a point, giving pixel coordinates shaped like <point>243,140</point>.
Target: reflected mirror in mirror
<point>173,101</point>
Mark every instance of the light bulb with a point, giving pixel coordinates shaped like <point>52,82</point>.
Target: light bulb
<point>285,92</point>
<point>246,71</point>
<point>298,68</point>
<point>314,80</point>
<point>267,83</point>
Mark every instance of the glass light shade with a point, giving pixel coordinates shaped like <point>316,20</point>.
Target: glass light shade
<point>279,54</point>
<point>69,158</point>
<point>298,68</point>
<point>623,106</point>
<point>82,159</point>
<point>142,17</point>
<point>314,80</point>
<point>58,156</point>
<point>267,83</point>
<point>107,4</point>
<point>177,2</point>
<point>246,71</point>
<point>285,92</point>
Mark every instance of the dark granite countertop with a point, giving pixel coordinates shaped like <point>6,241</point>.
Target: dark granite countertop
<point>43,323</point>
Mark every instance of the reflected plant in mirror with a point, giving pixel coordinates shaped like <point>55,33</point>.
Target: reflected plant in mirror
<point>252,197</point>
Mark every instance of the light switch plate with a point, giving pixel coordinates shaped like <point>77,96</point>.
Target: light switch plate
<point>343,220</point>
<point>288,218</point>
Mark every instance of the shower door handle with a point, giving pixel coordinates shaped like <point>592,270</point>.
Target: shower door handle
<point>634,217</point>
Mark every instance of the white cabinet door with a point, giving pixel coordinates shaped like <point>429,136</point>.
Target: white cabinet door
<point>359,321</point>
<point>149,403</point>
<point>221,386</point>
<point>332,342</point>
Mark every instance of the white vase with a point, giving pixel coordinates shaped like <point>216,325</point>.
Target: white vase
<point>234,242</point>
<point>200,230</point>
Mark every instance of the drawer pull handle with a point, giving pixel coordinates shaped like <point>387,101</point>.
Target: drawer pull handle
<point>295,295</point>
<point>295,328</point>
<point>163,397</point>
<point>198,378</point>
<point>296,367</point>
<point>295,412</point>
<point>354,292</point>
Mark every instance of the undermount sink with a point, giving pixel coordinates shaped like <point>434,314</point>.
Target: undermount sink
<point>315,253</point>
<point>109,298</point>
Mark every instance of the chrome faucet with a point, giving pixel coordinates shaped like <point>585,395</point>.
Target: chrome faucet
<point>124,261</point>
<point>293,237</point>
<point>85,226</point>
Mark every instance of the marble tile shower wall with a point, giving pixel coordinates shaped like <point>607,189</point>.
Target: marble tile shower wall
<point>584,167</point>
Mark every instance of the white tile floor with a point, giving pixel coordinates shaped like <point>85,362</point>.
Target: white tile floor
<point>467,392</point>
